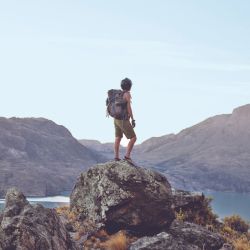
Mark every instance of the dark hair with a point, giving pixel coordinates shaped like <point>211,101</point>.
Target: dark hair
<point>126,84</point>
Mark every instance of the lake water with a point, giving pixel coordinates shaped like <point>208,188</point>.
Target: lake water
<point>49,202</point>
<point>229,203</point>
<point>223,204</point>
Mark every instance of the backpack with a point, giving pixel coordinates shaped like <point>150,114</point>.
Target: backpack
<point>116,105</point>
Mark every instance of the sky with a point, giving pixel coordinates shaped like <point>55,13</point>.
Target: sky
<point>188,60</point>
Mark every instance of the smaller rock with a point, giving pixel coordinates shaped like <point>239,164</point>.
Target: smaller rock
<point>196,235</point>
<point>181,236</point>
<point>183,199</point>
<point>25,227</point>
<point>161,241</point>
<point>227,246</point>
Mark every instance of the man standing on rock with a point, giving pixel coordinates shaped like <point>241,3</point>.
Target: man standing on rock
<point>122,123</point>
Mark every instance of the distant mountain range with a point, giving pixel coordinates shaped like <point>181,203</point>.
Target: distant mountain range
<point>40,157</point>
<point>211,155</point>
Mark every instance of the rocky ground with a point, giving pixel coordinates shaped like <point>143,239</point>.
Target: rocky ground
<point>113,206</point>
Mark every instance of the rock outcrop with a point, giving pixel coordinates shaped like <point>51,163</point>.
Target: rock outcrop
<point>120,196</point>
<point>181,236</point>
<point>108,198</point>
<point>26,227</point>
<point>183,199</point>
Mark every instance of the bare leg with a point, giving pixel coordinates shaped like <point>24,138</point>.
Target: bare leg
<point>130,146</point>
<point>117,146</point>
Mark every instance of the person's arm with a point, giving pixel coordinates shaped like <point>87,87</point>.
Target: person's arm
<point>127,97</point>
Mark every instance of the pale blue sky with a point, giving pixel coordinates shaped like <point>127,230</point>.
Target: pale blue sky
<point>188,60</point>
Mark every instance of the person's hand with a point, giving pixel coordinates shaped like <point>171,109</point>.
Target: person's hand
<point>133,123</point>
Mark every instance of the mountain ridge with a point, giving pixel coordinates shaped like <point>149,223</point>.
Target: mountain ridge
<point>40,157</point>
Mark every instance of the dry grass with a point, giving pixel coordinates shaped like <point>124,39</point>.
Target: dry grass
<point>180,215</point>
<point>62,210</point>
<point>71,218</point>
<point>242,243</point>
<point>235,232</point>
<point>104,241</point>
<point>65,211</point>
<point>117,241</point>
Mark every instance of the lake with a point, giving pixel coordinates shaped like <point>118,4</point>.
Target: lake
<point>49,202</point>
<point>223,204</point>
<point>229,203</point>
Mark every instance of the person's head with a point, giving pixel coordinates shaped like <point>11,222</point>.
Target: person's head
<point>126,84</point>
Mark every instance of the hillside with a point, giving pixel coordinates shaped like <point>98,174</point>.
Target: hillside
<point>40,157</point>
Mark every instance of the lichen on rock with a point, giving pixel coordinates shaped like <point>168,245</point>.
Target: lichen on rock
<point>120,196</point>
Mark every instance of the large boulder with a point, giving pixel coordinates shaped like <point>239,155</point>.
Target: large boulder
<point>23,226</point>
<point>120,196</point>
<point>181,236</point>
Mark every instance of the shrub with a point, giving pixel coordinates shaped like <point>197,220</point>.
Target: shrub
<point>65,211</point>
<point>228,231</point>
<point>117,241</point>
<point>235,232</point>
<point>236,223</point>
<point>241,243</point>
<point>180,215</point>
<point>198,212</point>
<point>62,210</point>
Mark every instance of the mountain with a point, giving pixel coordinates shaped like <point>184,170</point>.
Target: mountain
<point>214,154</point>
<point>105,149</point>
<point>40,157</point>
<point>211,155</point>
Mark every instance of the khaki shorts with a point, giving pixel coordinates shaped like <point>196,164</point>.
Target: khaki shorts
<point>124,127</point>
